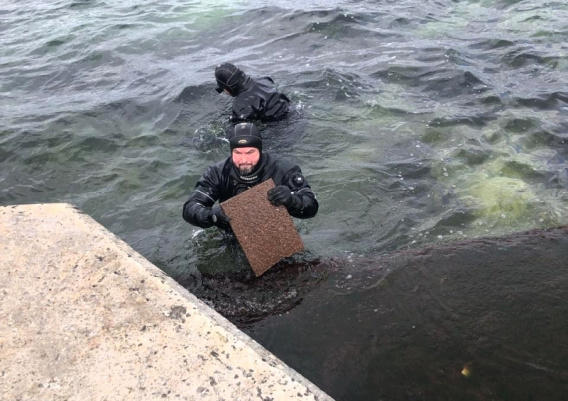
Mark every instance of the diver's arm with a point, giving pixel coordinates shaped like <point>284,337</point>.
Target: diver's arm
<point>197,210</point>
<point>295,194</point>
<point>247,109</point>
<point>306,204</point>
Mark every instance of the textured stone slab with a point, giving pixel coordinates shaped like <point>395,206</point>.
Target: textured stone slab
<point>84,317</point>
<point>266,232</point>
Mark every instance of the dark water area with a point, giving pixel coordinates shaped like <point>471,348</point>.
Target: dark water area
<point>417,124</point>
<point>476,320</point>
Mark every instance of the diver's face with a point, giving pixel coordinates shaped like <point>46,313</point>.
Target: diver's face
<point>245,159</point>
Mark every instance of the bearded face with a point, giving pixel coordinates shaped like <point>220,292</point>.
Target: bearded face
<point>245,159</point>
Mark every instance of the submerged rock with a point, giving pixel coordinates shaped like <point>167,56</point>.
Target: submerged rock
<point>472,320</point>
<point>244,298</point>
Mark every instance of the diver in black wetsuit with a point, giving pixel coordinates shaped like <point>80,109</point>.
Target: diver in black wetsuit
<point>246,167</point>
<point>254,99</point>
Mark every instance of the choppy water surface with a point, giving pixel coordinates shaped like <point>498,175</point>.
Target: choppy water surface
<point>416,123</point>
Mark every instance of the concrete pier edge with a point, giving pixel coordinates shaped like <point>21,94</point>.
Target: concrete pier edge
<point>85,317</point>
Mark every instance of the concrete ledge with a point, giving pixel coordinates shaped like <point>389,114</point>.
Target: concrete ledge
<point>84,317</point>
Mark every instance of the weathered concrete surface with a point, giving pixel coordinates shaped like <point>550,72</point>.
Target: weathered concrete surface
<point>84,317</point>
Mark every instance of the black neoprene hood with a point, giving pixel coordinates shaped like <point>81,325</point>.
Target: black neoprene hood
<point>229,76</point>
<point>245,135</point>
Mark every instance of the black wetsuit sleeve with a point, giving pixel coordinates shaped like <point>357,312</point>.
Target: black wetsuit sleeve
<point>197,209</point>
<point>247,108</point>
<point>305,204</point>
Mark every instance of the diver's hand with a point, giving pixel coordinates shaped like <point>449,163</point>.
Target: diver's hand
<point>281,195</point>
<point>219,218</point>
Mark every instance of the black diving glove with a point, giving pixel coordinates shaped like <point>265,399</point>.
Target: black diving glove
<point>219,218</point>
<point>281,195</point>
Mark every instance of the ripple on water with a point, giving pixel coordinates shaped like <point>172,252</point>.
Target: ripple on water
<point>524,56</point>
<point>543,138</point>
<point>491,44</point>
<point>473,155</point>
<point>53,45</point>
<point>545,101</point>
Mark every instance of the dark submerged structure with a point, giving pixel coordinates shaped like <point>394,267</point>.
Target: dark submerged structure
<point>474,320</point>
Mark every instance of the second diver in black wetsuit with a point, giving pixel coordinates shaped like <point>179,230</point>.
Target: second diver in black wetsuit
<point>254,99</point>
